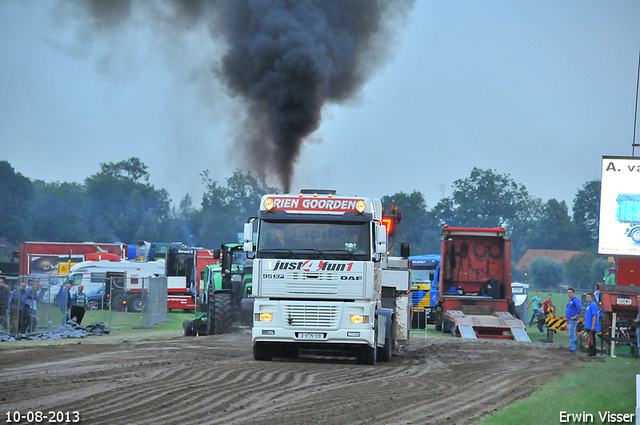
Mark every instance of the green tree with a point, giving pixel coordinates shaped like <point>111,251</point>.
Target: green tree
<point>418,226</point>
<point>16,192</point>
<point>578,269</point>
<point>546,273</point>
<point>124,206</point>
<point>586,213</point>
<point>58,212</point>
<point>489,199</point>
<point>554,230</point>
<point>598,269</point>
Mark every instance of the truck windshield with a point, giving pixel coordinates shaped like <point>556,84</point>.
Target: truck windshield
<point>423,275</point>
<point>314,240</point>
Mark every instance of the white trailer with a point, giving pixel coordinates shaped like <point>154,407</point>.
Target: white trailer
<point>322,278</point>
<point>126,279</point>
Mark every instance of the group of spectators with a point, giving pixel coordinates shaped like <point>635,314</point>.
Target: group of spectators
<point>19,308</point>
<point>541,310</point>
<point>592,314</point>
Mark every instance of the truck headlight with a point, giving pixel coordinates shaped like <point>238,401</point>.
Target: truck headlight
<point>359,318</point>
<point>264,317</point>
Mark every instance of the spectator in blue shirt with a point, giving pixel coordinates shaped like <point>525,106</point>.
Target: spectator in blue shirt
<point>64,301</point>
<point>572,314</point>
<point>592,322</point>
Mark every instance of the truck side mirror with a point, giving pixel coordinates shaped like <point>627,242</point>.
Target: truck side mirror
<point>248,237</point>
<point>405,249</point>
<point>248,232</point>
<point>381,239</point>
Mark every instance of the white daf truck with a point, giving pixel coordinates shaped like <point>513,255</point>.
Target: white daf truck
<point>322,277</point>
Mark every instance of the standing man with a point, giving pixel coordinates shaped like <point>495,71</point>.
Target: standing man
<point>535,300</point>
<point>591,322</point>
<point>15,313</point>
<point>78,304</point>
<point>34,295</point>
<point>4,302</point>
<point>26,301</point>
<point>572,313</point>
<point>64,301</point>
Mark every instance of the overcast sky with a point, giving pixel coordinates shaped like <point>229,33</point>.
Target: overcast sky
<point>538,90</point>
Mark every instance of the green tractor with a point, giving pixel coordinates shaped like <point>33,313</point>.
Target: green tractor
<point>225,297</point>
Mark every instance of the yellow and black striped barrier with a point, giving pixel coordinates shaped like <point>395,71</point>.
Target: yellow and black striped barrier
<point>559,323</point>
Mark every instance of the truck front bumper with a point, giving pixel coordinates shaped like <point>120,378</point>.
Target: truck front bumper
<point>313,337</point>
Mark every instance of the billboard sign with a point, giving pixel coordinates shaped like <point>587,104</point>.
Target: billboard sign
<point>52,264</point>
<point>620,206</point>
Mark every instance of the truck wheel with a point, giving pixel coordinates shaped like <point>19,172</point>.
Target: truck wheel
<point>223,310</point>
<point>634,234</point>
<point>385,353</point>
<point>92,305</point>
<point>438,320</point>
<point>446,326</point>
<point>262,352</point>
<point>367,355</point>
<point>187,330</point>
<point>134,305</point>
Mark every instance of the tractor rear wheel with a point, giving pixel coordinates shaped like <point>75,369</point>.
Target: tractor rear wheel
<point>187,329</point>
<point>223,312</point>
<point>211,314</point>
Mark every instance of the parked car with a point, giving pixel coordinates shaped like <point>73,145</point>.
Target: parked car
<point>97,300</point>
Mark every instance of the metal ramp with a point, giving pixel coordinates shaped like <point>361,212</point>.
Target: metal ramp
<point>520,335</point>
<point>467,332</point>
<point>498,324</point>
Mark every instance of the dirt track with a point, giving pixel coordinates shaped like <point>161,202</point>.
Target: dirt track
<point>214,380</point>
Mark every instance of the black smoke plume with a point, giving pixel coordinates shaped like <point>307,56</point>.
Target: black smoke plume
<point>285,59</point>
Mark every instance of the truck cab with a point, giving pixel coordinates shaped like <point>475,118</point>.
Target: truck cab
<point>319,276</point>
<point>424,288</point>
<point>475,297</point>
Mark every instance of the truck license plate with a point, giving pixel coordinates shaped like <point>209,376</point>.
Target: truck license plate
<point>305,335</point>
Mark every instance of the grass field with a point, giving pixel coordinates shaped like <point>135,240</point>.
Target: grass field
<point>600,387</point>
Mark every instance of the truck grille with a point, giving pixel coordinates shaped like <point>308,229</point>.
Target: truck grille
<point>312,316</point>
<point>301,283</point>
<point>315,276</point>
